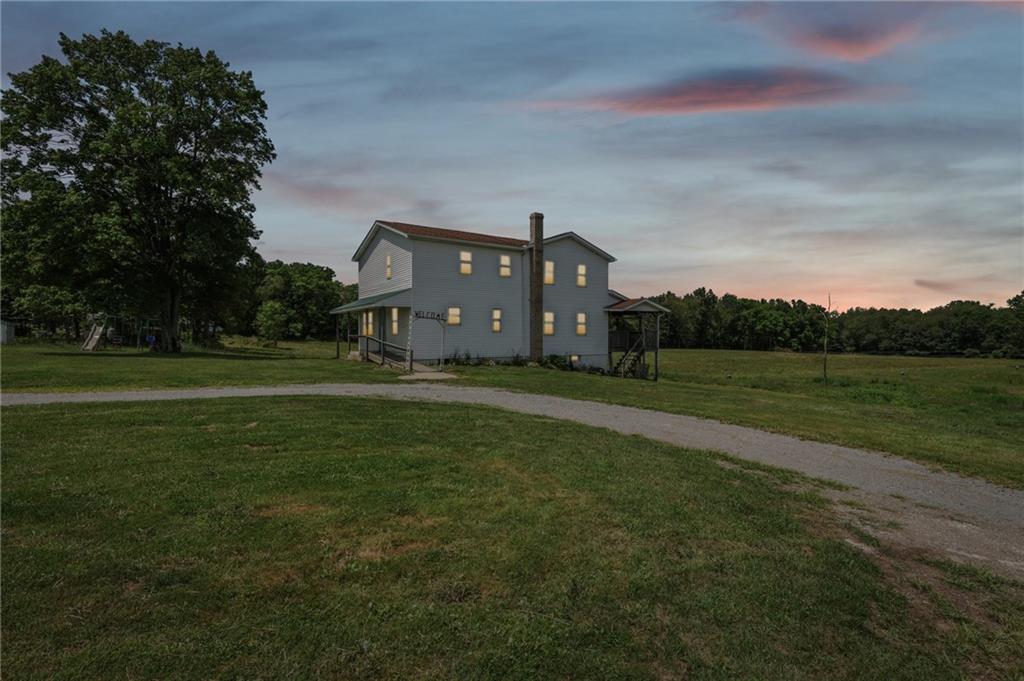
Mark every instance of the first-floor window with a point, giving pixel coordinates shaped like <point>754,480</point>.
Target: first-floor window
<point>581,323</point>
<point>496,320</point>
<point>368,323</point>
<point>549,323</point>
<point>454,316</point>
<point>394,321</point>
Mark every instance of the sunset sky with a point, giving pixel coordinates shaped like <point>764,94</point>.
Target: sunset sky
<point>874,150</point>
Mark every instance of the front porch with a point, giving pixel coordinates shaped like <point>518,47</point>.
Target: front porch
<point>382,323</point>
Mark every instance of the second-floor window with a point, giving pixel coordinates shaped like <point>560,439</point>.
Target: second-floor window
<point>549,323</point>
<point>581,275</point>
<point>394,321</point>
<point>387,266</point>
<point>549,271</point>
<point>454,316</point>
<point>581,323</point>
<point>496,320</point>
<point>504,265</point>
<point>465,262</point>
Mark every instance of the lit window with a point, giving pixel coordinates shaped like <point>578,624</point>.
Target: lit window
<point>549,323</point>
<point>581,275</point>
<point>496,320</point>
<point>368,330</point>
<point>549,272</point>
<point>581,323</point>
<point>505,265</point>
<point>454,316</point>
<point>387,267</point>
<point>394,321</point>
<point>465,262</point>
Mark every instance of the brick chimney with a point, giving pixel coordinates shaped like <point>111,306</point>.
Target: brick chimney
<point>537,286</point>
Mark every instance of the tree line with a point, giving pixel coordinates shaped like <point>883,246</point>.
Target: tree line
<point>702,319</point>
<point>272,300</point>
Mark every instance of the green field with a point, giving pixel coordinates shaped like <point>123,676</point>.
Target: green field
<point>965,415</point>
<point>317,537</point>
<point>62,367</point>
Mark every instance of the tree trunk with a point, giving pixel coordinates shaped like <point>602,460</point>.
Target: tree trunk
<point>169,318</point>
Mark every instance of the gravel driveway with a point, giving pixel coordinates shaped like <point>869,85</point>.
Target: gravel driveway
<point>911,504</point>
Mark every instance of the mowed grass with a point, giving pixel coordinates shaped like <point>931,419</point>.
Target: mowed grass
<point>966,415</point>
<point>338,538</point>
<point>39,367</point>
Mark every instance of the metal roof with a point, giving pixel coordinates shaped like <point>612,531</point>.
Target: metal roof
<point>636,305</point>
<point>368,302</point>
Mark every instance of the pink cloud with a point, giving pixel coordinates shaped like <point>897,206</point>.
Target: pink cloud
<point>1009,5</point>
<point>853,32</point>
<point>735,90</point>
<point>852,43</point>
<point>343,199</point>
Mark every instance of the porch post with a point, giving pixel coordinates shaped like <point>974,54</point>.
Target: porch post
<point>337,338</point>
<point>381,329</point>
<point>348,334</point>
<point>657,343</point>
<point>608,335</point>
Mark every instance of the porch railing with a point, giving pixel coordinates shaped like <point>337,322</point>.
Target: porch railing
<point>385,350</point>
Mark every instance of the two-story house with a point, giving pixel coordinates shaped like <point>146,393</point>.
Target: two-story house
<point>428,292</point>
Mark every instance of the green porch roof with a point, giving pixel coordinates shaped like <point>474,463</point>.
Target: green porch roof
<point>370,301</point>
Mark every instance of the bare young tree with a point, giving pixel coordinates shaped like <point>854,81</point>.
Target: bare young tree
<point>825,313</point>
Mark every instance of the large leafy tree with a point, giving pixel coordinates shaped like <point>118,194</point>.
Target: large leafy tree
<point>127,173</point>
<point>306,293</point>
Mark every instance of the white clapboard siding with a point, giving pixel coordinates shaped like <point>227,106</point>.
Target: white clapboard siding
<point>372,266</point>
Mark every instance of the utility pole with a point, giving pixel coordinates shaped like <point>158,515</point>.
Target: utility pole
<point>826,314</point>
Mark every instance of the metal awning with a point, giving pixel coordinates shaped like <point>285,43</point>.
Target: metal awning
<point>389,299</point>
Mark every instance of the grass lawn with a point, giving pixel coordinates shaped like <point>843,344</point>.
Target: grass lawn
<point>318,537</point>
<point>43,367</point>
<point>966,415</point>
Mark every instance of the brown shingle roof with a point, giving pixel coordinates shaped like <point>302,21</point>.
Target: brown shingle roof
<point>454,234</point>
<point>624,304</point>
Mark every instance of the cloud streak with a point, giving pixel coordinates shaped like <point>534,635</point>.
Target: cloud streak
<point>852,32</point>
<point>753,89</point>
<point>854,43</point>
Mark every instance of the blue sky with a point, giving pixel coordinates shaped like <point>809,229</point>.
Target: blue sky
<point>874,150</point>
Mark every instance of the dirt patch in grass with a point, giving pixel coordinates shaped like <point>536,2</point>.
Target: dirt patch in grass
<point>420,521</point>
<point>383,550</point>
<point>289,508</point>
<point>274,577</point>
<point>988,614</point>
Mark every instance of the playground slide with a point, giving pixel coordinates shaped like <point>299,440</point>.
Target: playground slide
<point>95,335</point>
